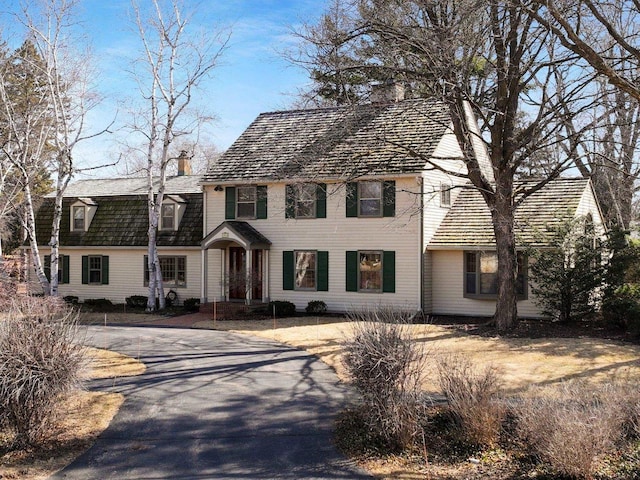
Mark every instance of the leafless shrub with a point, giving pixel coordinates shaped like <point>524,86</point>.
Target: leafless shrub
<point>385,365</point>
<point>473,397</point>
<point>41,359</point>
<point>570,425</point>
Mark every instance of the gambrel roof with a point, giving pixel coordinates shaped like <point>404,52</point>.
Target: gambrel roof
<point>121,216</point>
<point>335,143</point>
<point>468,223</point>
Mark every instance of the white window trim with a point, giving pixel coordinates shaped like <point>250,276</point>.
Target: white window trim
<point>380,199</point>
<point>255,203</point>
<point>371,290</point>
<point>295,271</point>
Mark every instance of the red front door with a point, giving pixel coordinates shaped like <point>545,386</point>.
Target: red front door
<point>237,273</point>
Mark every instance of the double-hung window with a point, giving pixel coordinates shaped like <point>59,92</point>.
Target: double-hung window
<point>481,275</point>
<point>371,199</point>
<point>95,269</point>
<point>79,218</point>
<point>174,270</point>
<point>305,270</point>
<point>63,268</point>
<point>246,202</point>
<point>167,216</point>
<point>371,271</point>
<point>306,200</point>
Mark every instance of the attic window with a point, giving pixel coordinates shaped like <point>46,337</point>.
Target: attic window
<point>167,217</point>
<point>445,195</point>
<point>79,219</point>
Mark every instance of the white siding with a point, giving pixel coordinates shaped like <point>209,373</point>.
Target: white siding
<point>126,273</point>
<point>448,297</point>
<point>337,234</point>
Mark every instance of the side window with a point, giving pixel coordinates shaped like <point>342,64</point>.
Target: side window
<point>369,199</point>
<point>445,194</point>
<point>481,274</point>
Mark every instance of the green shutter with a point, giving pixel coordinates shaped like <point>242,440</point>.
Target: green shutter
<point>261,201</point>
<point>105,270</point>
<point>323,272</point>
<point>389,271</point>
<point>85,269</point>
<point>352,199</point>
<point>290,202</point>
<point>287,270</point>
<point>230,203</point>
<point>47,267</point>
<point>145,270</point>
<point>352,271</point>
<point>389,199</point>
<point>321,200</point>
<point>65,268</point>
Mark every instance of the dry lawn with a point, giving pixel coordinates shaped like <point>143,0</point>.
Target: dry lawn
<point>83,418</point>
<point>522,362</point>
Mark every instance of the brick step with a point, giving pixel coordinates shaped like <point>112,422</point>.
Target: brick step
<point>230,310</point>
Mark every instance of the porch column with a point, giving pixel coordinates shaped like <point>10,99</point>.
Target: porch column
<point>266,285</point>
<point>204,275</point>
<point>249,276</point>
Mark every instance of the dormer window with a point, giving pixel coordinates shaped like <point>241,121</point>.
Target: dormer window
<point>167,217</point>
<point>79,218</point>
<point>81,214</point>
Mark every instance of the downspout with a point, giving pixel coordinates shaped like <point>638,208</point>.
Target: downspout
<point>204,257</point>
<point>421,283</point>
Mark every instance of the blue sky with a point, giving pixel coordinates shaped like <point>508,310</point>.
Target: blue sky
<point>252,78</point>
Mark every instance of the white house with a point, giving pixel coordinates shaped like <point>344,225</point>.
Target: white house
<point>341,204</point>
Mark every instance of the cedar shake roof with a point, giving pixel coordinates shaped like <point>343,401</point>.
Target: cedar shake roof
<point>105,187</point>
<point>468,222</point>
<point>334,143</point>
<point>121,221</point>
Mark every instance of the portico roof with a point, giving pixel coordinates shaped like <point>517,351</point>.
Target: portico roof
<point>236,232</point>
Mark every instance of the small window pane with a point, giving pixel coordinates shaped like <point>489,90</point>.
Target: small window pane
<point>78,218</point>
<point>168,216</point>
<point>305,270</point>
<point>488,273</point>
<point>95,269</point>
<point>246,202</point>
<point>305,200</point>
<point>370,265</point>
<point>370,199</point>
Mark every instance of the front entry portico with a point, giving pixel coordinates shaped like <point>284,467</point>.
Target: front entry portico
<point>245,262</point>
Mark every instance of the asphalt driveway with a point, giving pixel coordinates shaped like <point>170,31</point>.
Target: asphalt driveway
<point>214,405</point>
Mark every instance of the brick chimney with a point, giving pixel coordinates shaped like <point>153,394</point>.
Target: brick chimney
<point>184,164</point>
<point>388,91</point>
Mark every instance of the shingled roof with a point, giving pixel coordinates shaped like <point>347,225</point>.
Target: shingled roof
<point>468,222</point>
<point>106,187</point>
<point>121,221</point>
<point>334,143</point>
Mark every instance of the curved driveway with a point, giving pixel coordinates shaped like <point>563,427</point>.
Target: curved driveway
<point>214,405</point>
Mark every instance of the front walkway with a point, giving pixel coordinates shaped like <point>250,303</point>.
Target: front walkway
<point>215,405</point>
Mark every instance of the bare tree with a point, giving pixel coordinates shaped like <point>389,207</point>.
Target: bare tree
<point>493,61</point>
<point>173,64</point>
<point>45,126</point>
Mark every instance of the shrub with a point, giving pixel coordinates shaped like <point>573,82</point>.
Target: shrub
<point>622,308</point>
<point>136,301</point>
<point>191,304</point>
<point>570,425</point>
<point>385,367</point>
<point>171,298</point>
<point>98,302</point>
<point>316,306</point>
<point>72,299</point>
<point>281,308</point>
<point>41,359</point>
<point>473,398</point>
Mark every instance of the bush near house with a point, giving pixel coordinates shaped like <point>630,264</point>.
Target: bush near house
<point>281,308</point>
<point>317,307</point>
